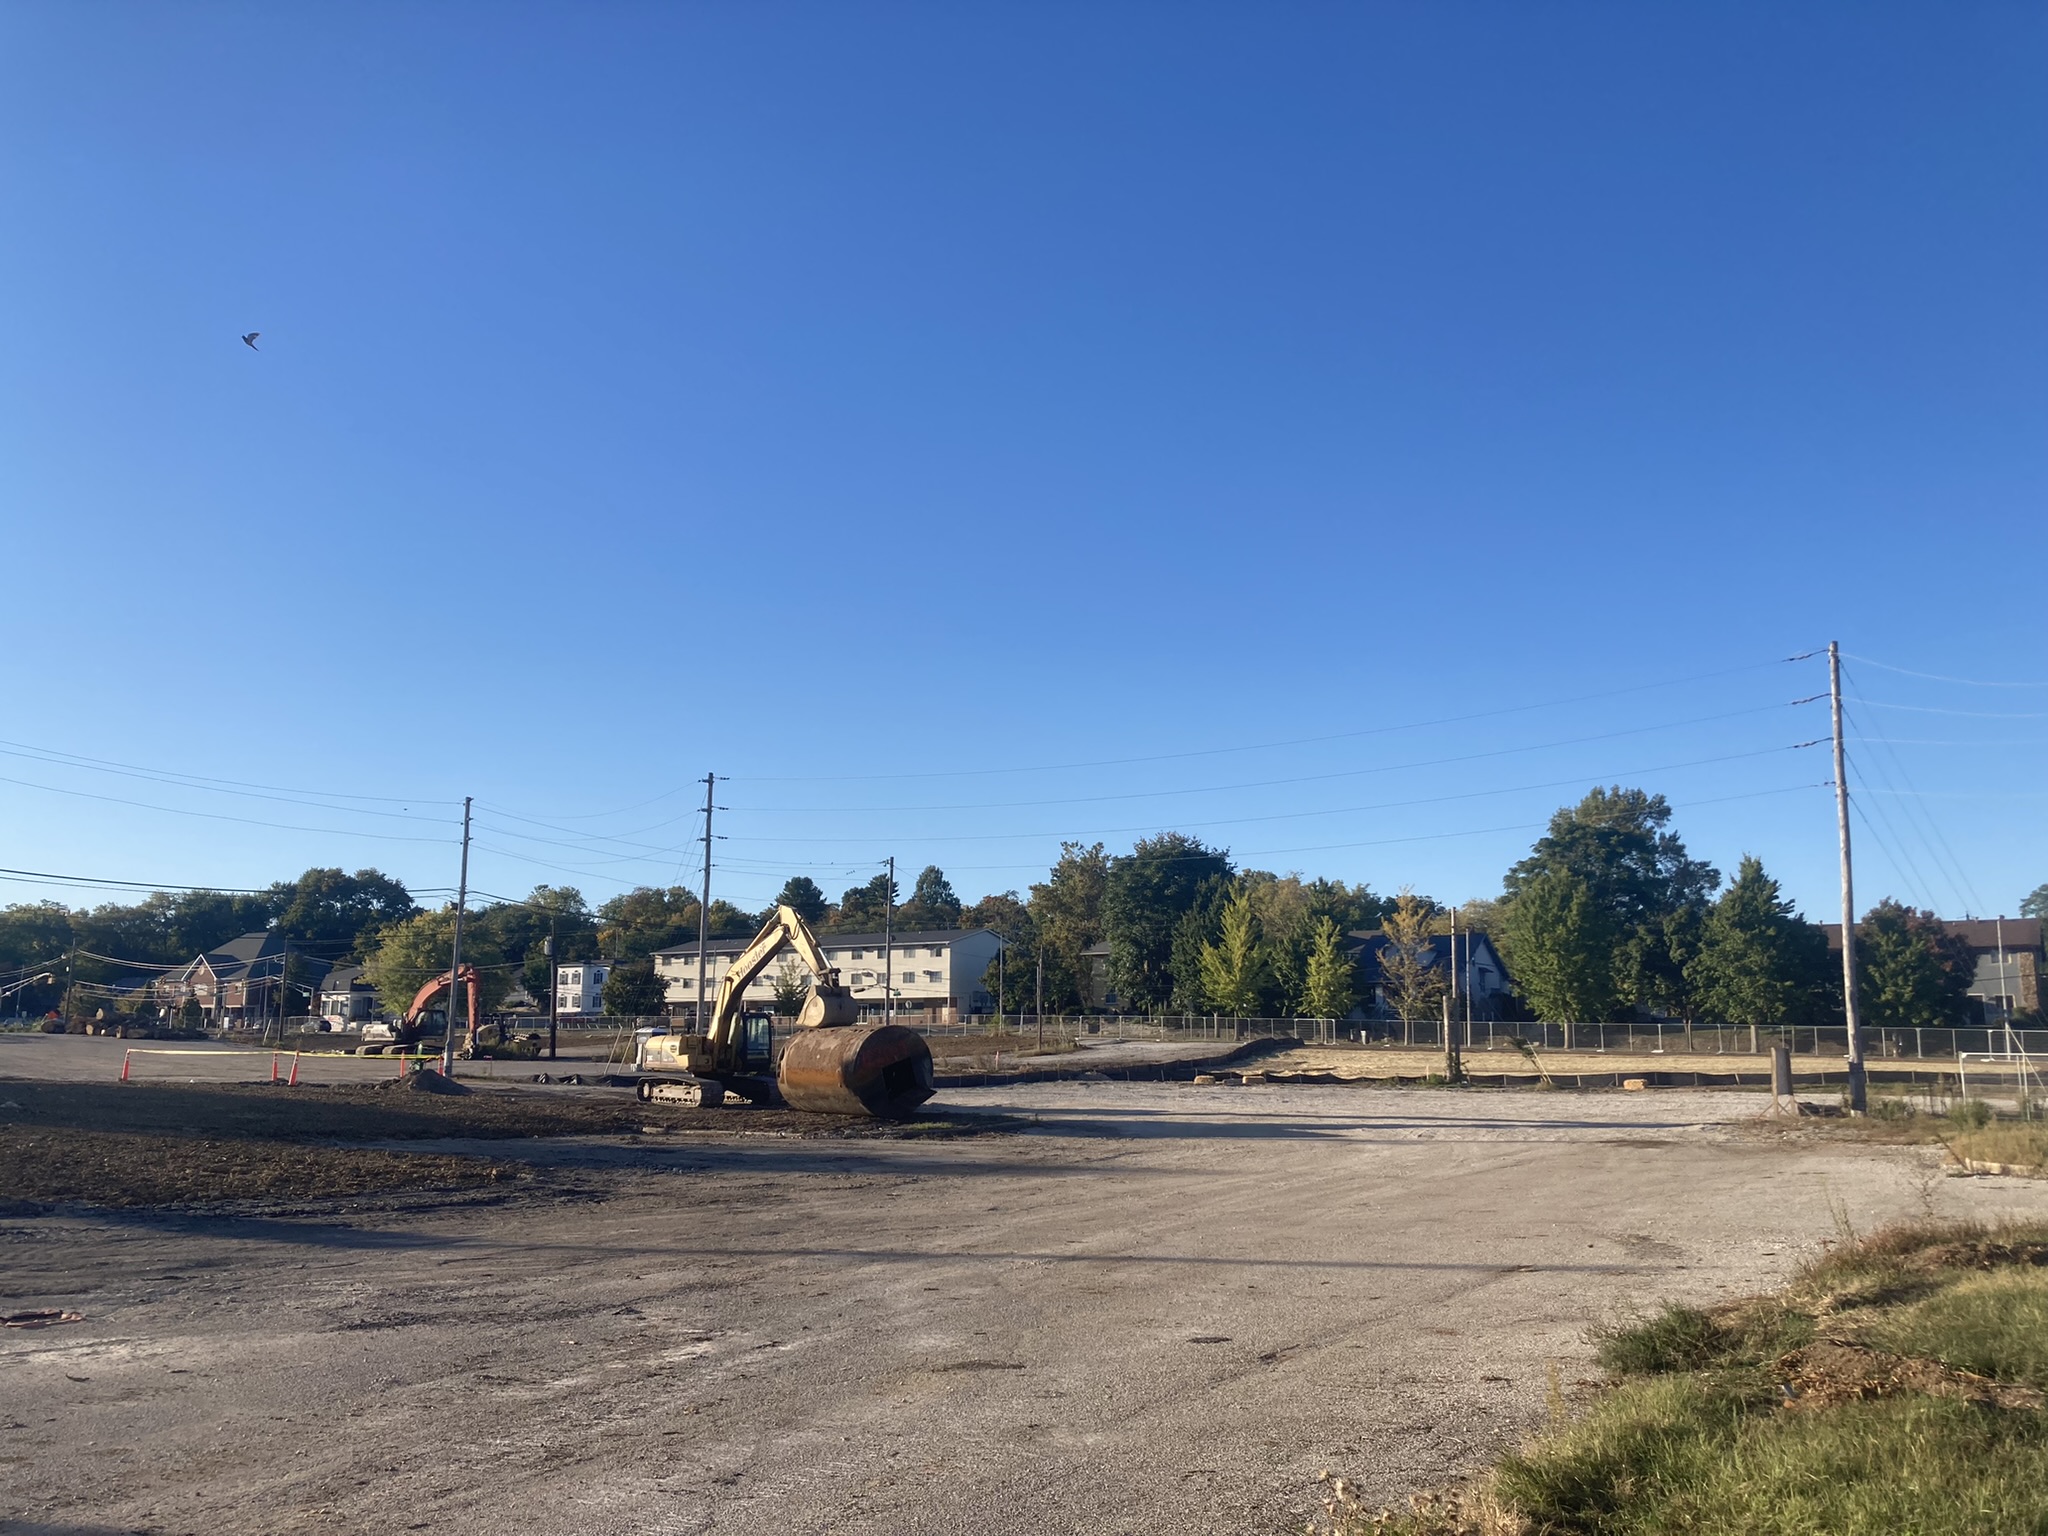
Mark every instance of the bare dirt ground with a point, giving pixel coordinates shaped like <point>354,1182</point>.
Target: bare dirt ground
<point>1163,1308</point>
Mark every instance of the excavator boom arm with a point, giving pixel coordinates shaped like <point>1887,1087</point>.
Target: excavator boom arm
<point>784,926</point>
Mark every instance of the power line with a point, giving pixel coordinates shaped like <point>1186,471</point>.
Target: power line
<point>1937,677</point>
<point>1969,714</point>
<point>199,781</point>
<point>247,821</point>
<point>1269,746</point>
<point>1311,778</point>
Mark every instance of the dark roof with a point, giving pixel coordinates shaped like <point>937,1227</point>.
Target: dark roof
<point>1368,942</point>
<point>343,978</point>
<point>1980,933</point>
<point>832,941</point>
<point>250,946</point>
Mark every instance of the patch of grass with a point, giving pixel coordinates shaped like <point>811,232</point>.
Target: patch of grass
<point>1668,1455</point>
<point>1994,1324</point>
<point>1893,1389</point>
<point>1681,1338</point>
<point>2023,1145</point>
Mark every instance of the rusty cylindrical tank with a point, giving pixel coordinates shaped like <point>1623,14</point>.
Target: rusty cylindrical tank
<point>856,1069</point>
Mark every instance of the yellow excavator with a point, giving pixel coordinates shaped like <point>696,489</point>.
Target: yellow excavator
<point>833,1064</point>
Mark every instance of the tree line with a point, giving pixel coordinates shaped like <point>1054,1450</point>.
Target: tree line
<point>1607,919</point>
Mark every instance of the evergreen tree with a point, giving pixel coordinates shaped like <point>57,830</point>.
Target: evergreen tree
<point>1560,943</point>
<point>932,903</point>
<point>1327,988</point>
<point>1234,967</point>
<point>801,892</point>
<point>1759,962</point>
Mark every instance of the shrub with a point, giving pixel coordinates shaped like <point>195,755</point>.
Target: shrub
<point>1970,1114</point>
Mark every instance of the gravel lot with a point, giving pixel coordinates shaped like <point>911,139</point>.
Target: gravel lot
<point>1165,1309</point>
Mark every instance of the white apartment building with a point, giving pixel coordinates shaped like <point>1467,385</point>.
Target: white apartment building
<point>937,973</point>
<point>580,988</point>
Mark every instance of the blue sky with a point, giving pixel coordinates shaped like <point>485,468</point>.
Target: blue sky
<point>1346,432</point>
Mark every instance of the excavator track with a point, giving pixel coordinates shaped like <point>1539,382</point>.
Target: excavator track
<point>690,1093</point>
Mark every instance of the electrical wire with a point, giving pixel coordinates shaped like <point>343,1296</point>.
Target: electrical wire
<point>1937,677</point>
<point>1311,778</point>
<point>199,781</point>
<point>1269,746</point>
<point>247,821</point>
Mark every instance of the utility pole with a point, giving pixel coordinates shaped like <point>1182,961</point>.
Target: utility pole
<point>455,960</point>
<point>70,981</point>
<point>1858,1092</point>
<point>1001,946</point>
<point>704,907</point>
<point>1452,967</point>
<point>1038,1000</point>
<point>554,983</point>
<point>889,946</point>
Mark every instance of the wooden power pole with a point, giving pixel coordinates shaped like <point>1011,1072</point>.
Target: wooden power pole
<point>1858,1089</point>
<point>704,909</point>
<point>455,960</point>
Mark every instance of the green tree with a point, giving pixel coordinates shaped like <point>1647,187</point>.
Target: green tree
<point>1289,909</point>
<point>1651,964</point>
<point>1414,984</point>
<point>1911,973</point>
<point>864,908</point>
<point>1327,987</point>
<point>1233,968</point>
<point>334,913</point>
<point>1616,842</point>
<point>801,893</point>
<point>2035,903</point>
<point>407,955</point>
<point>932,903</point>
<point>633,991</point>
<point>1066,910</point>
<point>1560,942</point>
<point>1145,896</point>
<point>196,922</point>
<point>1759,963</point>
<point>792,986</point>
<point>1001,914</point>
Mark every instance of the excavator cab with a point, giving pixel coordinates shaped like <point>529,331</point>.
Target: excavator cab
<point>758,1036</point>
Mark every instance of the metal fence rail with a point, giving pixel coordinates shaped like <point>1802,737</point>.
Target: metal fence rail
<point>1670,1037</point>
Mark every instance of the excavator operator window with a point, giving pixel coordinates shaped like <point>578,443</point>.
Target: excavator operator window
<point>760,1038</point>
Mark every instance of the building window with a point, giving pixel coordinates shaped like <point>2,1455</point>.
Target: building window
<point>938,950</point>
<point>931,975</point>
<point>910,976</point>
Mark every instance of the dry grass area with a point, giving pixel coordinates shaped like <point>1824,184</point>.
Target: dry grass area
<point>1896,1386</point>
<point>948,1048</point>
<point>1363,1062</point>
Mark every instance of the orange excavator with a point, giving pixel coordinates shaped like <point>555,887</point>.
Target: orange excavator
<point>833,1063</point>
<point>422,1018</point>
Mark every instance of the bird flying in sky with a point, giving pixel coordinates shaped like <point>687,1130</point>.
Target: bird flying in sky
<point>249,341</point>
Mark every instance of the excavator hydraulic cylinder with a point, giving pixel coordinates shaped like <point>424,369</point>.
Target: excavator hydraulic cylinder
<point>857,1069</point>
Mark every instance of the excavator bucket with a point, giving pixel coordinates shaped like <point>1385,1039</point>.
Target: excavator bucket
<point>857,1069</point>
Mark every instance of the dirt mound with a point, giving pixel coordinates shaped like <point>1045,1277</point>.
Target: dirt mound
<point>1829,1372</point>
<point>426,1080</point>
